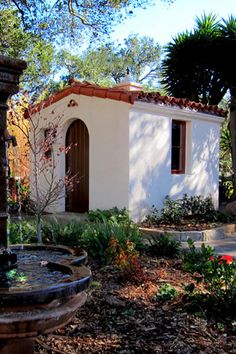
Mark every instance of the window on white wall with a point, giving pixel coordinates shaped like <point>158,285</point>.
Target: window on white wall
<point>178,147</point>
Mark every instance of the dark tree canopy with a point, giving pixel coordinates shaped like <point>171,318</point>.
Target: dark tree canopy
<point>228,49</point>
<point>193,64</point>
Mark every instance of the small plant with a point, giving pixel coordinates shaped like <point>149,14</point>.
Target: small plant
<point>196,260</point>
<point>220,282</point>
<point>167,292</point>
<point>177,211</point>
<point>154,217</point>
<point>125,259</point>
<point>172,212</point>
<point>65,233</point>
<point>164,246</point>
<point>22,232</point>
<point>129,312</point>
<point>96,237</point>
<point>13,206</point>
<point>113,215</point>
<point>218,276</point>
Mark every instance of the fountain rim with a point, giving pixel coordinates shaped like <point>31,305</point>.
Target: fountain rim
<point>79,280</point>
<point>78,252</point>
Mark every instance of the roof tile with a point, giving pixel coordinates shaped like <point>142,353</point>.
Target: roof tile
<point>156,98</point>
<point>88,89</point>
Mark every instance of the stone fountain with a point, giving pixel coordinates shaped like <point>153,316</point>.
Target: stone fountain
<point>41,287</point>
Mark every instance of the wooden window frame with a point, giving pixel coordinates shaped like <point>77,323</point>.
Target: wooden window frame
<point>181,146</point>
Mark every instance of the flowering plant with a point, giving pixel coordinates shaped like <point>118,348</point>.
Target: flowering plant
<point>224,258</point>
<point>125,258</point>
<point>217,274</point>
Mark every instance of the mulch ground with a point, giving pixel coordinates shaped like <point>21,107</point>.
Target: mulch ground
<point>126,318</point>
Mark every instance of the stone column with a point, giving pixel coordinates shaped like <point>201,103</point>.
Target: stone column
<point>10,71</point>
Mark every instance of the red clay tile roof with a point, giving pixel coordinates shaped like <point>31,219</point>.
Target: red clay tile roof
<point>155,97</point>
<point>87,89</point>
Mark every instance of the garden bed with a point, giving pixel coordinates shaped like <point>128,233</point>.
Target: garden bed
<point>127,318</point>
<point>203,233</point>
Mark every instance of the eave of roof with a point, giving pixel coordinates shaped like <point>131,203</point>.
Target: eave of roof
<point>155,97</point>
<point>85,89</point>
<point>92,90</point>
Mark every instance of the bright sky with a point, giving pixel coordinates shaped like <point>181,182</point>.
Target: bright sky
<point>164,21</point>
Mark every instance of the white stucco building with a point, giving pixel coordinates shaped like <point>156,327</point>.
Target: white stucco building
<point>130,148</point>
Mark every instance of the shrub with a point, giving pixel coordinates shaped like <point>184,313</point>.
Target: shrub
<point>196,260</point>
<point>175,211</point>
<point>199,206</point>
<point>96,237</point>
<point>22,232</point>
<point>218,275</point>
<point>154,217</point>
<point>219,295</point>
<point>113,215</point>
<point>65,233</point>
<point>172,212</point>
<point>166,292</point>
<point>220,281</point>
<point>164,246</point>
<point>125,258</point>
<point>13,206</point>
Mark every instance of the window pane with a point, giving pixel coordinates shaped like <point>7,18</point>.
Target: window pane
<point>178,146</point>
<point>175,159</point>
<point>176,134</point>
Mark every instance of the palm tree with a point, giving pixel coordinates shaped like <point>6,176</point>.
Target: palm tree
<point>190,68</point>
<point>228,70</point>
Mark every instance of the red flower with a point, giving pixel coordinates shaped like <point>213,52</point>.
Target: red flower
<point>227,258</point>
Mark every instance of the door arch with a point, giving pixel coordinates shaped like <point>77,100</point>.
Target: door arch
<point>77,163</point>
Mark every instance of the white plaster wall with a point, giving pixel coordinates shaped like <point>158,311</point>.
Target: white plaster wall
<point>150,157</point>
<point>107,122</point>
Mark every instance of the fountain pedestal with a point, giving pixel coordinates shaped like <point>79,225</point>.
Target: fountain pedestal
<point>10,71</point>
<point>41,287</point>
<point>46,299</point>
<point>18,334</point>
<point>18,346</point>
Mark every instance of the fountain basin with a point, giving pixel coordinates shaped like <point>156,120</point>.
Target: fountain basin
<point>31,306</point>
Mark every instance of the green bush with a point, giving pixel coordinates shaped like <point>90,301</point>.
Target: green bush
<point>13,206</point>
<point>22,232</point>
<point>220,282</point>
<point>97,236</point>
<point>217,275</point>
<point>176,211</point>
<point>196,260</point>
<point>95,239</point>
<point>113,215</point>
<point>173,212</point>
<point>164,246</point>
<point>166,292</point>
<point>65,233</point>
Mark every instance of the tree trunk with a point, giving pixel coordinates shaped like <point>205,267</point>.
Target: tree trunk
<point>39,231</point>
<point>232,126</point>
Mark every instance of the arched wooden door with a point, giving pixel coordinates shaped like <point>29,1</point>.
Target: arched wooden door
<point>77,163</point>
